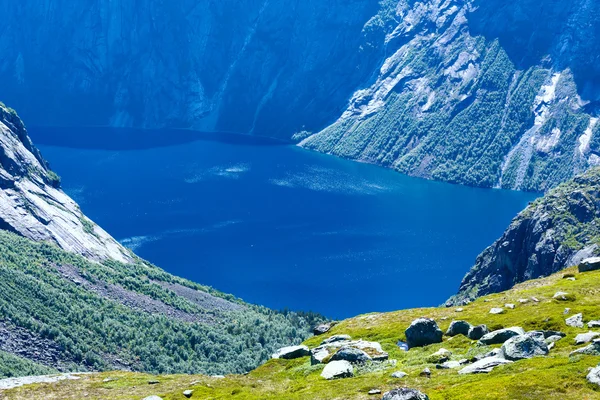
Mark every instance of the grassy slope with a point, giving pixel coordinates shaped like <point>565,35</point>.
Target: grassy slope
<point>554,377</point>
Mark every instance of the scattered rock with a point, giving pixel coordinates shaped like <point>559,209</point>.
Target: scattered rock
<point>590,264</point>
<point>584,338</point>
<point>594,376</point>
<point>321,329</point>
<point>153,382</point>
<point>510,306</point>
<point>439,356</point>
<point>501,335</point>
<point>458,328</point>
<point>318,355</point>
<point>484,365</point>
<point>477,332</point>
<point>552,339</point>
<point>592,349</point>
<point>593,324</point>
<point>426,373</point>
<point>497,310</point>
<point>374,391</point>
<point>576,321</point>
<point>449,365</point>
<point>404,394</point>
<point>524,346</point>
<point>567,311</point>
<point>423,332</point>
<point>291,352</point>
<point>535,299</point>
<point>351,354</point>
<point>571,279</point>
<point>399,374</point>
<point>106,380</point>
<point>188,393</point>
<point>336,338</point>
<point>459,309</point>
<point>337,370</point>
<point>548,334</point>
<point>563,296</point>
<point>523,301</point>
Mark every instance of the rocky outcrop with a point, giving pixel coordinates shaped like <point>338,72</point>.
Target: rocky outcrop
<point>554,232</point>
<point>33,205</point>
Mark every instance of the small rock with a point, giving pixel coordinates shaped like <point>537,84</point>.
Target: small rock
<point>576,321</point>
<point>571,279</point>
<point>449,365</point>
<point>108,380</point>
<point>567,311</point>
<point>497,310</point>
<point>510,306</point>
<point>501,335</point>
<point>351,354</point>
<point>592,349</point>
<point>426,373</point>
<point>590,264</point>
<point>535,299</point>
<point>551,345</point>
<point>188,393</point>
<point>321,329</point>
<point>153,382</point>
<point>459,309</point>
<point>524,346</point>
<point>423,332</point>
<point>563,296</point>
<point>399,374</point>
<point>404,394</point>
<point>439,356</point>
<point>458,328</point>
<point>594,376</point>
<point>552,339</point>
<point>523,301</point>
<point>336,338</point>
<point>318,355</point>
<point>337,370</point>
<point>484,365</point>
<point>593,324</point>
<point>291,352</point>
<point>584,338</point>
<point>152,398</point>
<point>374,391</point>
<point>477,332</point>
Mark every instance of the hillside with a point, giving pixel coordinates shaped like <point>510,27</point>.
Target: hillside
<point>557,375</point>
<point>484,93</point>
<point>73,299</point>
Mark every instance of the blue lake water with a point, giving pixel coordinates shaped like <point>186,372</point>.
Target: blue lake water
<point>284,227</point>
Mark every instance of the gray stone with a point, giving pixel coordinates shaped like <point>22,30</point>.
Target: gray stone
<point>523,301</point>
<point>589,264</point>
<point>449,365</point>
<point>561,296</point>
<point>152,398</point>
<point>423,332</point>
<point>592,349</point>
<point>439,356</point>
<point>351,354</point>
<point>584,338</point>
<point>374,391</point>
<point>188,393</point>
<point>321,329</point>
<point>576,321</point>
<point>477,332</point>
<point>458,328</point>
<point>426,372</point>
<point>593,324</point>
<point>337,370</point>
<point>404,394</point>
<point>501,335</point>
<point>336,338</point>
<point>318,355</point>
<point>594,376</point>
<point>497,310</point>
<point>524,346</point>
<point>291,352</point>
<point>552,339</point>
<point>399,374</point>
<point>484,365</point>
<point>510,306</point>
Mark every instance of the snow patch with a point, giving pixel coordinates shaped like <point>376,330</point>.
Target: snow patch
<point>541,104</point>
<point>584,140</point>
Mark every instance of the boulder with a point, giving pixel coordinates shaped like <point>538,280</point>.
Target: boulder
<point>426,373</point>
<point>152,398</point>
<point>291,352</point>
<point>449,365</point>
<point>404,394</point>
<point>321,329</point>
<point>336,338</point>
<point>524,346</point>
<point>510,306</point>
<point>188,393</point>
<point>584,338</point>
<point>439,356</point>
<point>589,264</point>
<point>372,349</point>
<point>576,321</point>
<point>548,334</point>
<point>477,332</point>
<point>458,328</point>
<point>423,332</point>
<point>563,296</point>
<point>497,310</point>
<point>399,374</point>
<point>592,349</point>
<point>593,324</point>
<point>593,376</point>
<point>523,301</point>
<point>484,365</point>
<point>501,335</point>
<point>337,370</point>
<point>351,354</point>
<point>318,355</point>
<point>374,391</point>
<point>552,339</point>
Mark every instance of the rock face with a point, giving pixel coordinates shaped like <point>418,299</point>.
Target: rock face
<point>404,394</point>
<point>33,205</point>
<point>291,352</point>
<point>524,346</point>
<point>423,332</point>
<point>337,370</point>
<point>539,242</point>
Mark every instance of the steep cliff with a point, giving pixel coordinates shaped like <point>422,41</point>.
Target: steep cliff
<point>32,204</point>
<point>553,233</point>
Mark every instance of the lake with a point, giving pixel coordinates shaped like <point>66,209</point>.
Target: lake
<point>280,226</point>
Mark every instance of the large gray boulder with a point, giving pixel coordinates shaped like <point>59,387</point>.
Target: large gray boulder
<point>321,329</point>
<point>423,332</point>
<point>576,321</point>
<point>458,328</point>
<point>336,338</point>
<point>291,352</point>
<point>351,354</point>
<point>584,338</point>
<point>484,365</point>
<point>337,370</point>
<point>477,332</point>
<point>589,264</point>
<point>592,349</point>
<point>524,346</point>
<point>594,376</point>
<point>501,335</point>
<point>404,394</point>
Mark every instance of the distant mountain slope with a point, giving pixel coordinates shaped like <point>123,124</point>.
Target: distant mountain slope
<point>556,231</point>
<point>479,92</point>
<point>72,298</point>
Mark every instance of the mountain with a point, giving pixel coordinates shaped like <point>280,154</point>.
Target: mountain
<point>556,231</point>
<point>73,299</point>
<point>484,93</point>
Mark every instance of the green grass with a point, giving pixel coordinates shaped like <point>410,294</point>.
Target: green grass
<point>556,376</point>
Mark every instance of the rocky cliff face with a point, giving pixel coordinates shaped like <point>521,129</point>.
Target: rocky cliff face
<point>487,93</point>
<point>555,232</point>
<point>32,204</point>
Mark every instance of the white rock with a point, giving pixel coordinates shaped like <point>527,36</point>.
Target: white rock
<point>497,310</point>
<point>399,374</point>
<point>510,306</point>
<point>594,324</point>
<point>337,369</point>
<point>583,338</point>
<point>562,296</point>
<point>484,365</point>
<point>576,321</point>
